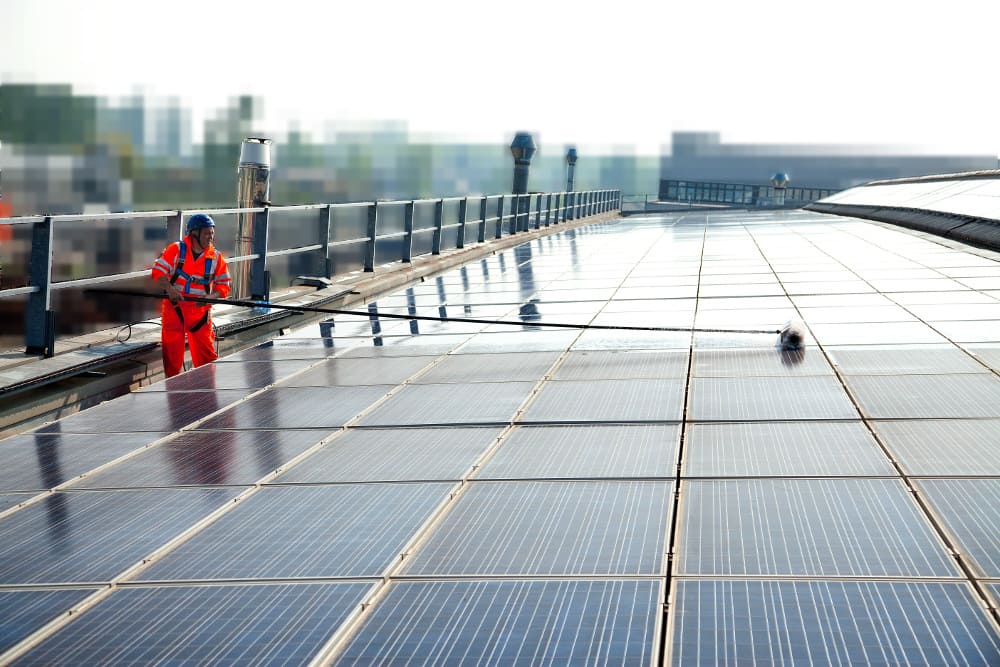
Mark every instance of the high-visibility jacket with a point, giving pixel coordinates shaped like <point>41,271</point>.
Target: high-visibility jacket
<point>191,276</point>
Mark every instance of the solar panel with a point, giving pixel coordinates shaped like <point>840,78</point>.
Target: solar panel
<point>359,371</point>
<point>496,367</point>
<point>525,340</point>
<point>640,450</point>
<point>622,364</point>
<point>607,401</point>
<point>943,447</point>
<point>89,536</point>
<point>903,360</point>
<point>511,623</point>
<point>367,455</point>
<point>886,333</point>
<point>927,396</point>
<point>801,449</point>
<point>970,510</point>
<point>457,404</point>
<point>982,331</point>
<point>198,458</point>
<point>274,350</point>
<point>763,398</point>
<point>305,531</point>
<point>24,612</point>
<point>989,354</point>
<point>807,527</point>
<point>551,528</point>
<point>46,460</point>
<point>829,623</point>
<point>231,625</point>
<point>759,363</point>
<point>298,407</point>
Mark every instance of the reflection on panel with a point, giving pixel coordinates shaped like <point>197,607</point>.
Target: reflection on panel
<point>800,449</point>
<point>586,451</point>
<point>970,511</point>
<point>198,458</point>
<point>147,411</point>
<point>816,527</point>
<point>511,623</point>
<point>306,531</point>
<point>829,623</point>
<point>394,455</point>
<point>264,624</point>
<point>93,536</point>
<point>46,460</point>
<point>298,407</point>
<point>246,375</point>
<point>551,528</point>
<point>24,612</point>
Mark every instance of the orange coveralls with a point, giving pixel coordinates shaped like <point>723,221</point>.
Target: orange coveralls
<point>195,276</point>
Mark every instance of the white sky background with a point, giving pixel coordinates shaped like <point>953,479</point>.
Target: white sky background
<point>622,74</point>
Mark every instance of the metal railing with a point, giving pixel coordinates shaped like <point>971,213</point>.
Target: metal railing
<point>353,236</point>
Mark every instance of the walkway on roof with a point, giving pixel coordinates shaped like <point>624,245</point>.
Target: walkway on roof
<point>506,493</point>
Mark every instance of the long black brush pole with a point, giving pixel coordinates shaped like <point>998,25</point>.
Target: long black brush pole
<point>376,314</point>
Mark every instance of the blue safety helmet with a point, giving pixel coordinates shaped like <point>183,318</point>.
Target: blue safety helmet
<point>199,221</point>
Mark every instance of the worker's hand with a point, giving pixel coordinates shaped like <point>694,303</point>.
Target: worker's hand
<point>172,293</point>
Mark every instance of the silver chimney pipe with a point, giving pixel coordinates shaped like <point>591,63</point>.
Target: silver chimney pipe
<point>253,191</point>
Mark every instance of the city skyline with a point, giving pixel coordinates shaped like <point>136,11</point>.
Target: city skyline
<point>607,82</point>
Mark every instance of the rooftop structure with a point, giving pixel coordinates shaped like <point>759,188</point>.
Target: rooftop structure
<point>654,480</point>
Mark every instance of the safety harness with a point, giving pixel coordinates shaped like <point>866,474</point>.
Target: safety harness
<point>206,281</point>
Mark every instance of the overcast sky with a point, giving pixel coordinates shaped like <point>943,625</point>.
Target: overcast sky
<point>613,74</point>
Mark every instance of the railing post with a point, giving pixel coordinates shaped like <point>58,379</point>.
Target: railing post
<point>538,211</point>
<point>39,326</point>
<point>548,207</point>
<point>569,203</point>
<point>483,211</point>
<point>259,278</point>
<point>438,223</point>
<point>499,230</point>
<point>408,230</point>
<point>370,248</point>
<point>174,227</point>
<point>324,224</point>
<point>463,207</point>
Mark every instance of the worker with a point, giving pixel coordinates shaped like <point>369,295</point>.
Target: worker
<point>191,267</point>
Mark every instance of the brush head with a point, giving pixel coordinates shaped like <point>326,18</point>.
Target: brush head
<point>792,336</point>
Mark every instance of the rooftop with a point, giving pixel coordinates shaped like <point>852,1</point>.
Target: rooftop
<point>369,490</point>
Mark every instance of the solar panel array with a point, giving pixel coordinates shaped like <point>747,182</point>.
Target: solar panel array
<point>376,491</point>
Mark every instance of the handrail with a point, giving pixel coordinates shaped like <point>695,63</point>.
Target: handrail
<point>497,215</point>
